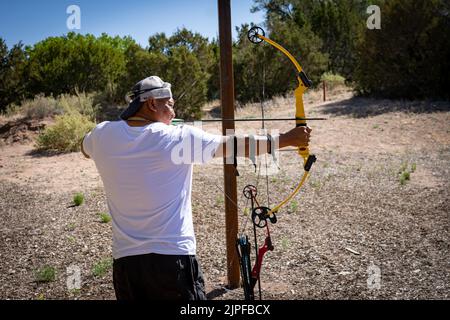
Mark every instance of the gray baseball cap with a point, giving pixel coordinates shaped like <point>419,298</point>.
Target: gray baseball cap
<point>151,87</point>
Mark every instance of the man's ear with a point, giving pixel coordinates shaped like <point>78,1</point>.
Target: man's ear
<point>151,104</point>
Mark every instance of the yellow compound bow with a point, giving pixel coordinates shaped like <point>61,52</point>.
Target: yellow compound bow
<point>256,35</point>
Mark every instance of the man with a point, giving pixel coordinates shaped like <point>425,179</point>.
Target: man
<point>146,168</point>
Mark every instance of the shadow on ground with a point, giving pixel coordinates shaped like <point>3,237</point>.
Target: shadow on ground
<point>359,107</point>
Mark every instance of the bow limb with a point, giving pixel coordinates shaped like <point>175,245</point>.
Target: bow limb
<point>303,84</point>
<point>300,115</point>
<point>293,193</point>
<point>279,47</point>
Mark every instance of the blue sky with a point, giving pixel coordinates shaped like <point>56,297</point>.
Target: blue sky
<point>31,21</point>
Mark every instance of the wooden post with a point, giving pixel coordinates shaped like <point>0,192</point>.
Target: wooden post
<point>324,85</point>
<point>227,101</point>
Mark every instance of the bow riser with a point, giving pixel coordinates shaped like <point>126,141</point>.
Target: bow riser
<point>300,115</point>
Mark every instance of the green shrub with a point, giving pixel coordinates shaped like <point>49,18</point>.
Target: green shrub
<point>332,80</point>
<point>40,296</point>
<point>66,134</point>
<point>78,199</point>
<point>46,274</point>
<point>101,267</point>
<point>405,173</point>
<point>75,292</point>
<point>80,103</point>
<point>293,207</point>
<point>71,226</point>
<point>104,217</point>
<point>219,200</point>
<point>39,107</point>
<point>404,176</point>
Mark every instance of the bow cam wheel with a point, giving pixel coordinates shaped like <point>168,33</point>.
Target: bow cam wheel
<point>260,216</point>
<point>253,34</point>
<point>250,192</point>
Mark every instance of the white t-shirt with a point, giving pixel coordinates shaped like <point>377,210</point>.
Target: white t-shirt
<point>147,176</point>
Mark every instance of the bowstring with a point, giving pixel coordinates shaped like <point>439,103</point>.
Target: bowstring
<point>263,125</point>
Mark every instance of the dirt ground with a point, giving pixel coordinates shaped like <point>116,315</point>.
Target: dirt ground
<point>353,232</point>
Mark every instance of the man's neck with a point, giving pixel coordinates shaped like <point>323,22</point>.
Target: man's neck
<point>136,118</point>
<point>139,121</point>
<point>143,119</point>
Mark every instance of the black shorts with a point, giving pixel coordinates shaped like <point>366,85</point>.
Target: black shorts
<point>158,277</point>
